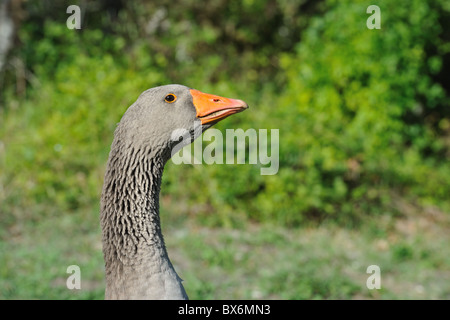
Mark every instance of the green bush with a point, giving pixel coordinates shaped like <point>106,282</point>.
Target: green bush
<point>362,110</point>
<point>359,120</point>
<point>58,140</point>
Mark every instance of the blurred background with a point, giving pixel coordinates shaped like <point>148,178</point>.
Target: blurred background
<point>364,130</point>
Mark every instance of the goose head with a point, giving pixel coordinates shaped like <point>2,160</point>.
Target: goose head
<point>163,117</point>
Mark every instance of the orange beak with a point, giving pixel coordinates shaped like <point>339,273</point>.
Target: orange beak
<point>212,108</point>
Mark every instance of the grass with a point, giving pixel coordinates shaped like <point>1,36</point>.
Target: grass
<point>254,261</point>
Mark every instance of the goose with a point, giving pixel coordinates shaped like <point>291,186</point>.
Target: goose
<point>137,265</point>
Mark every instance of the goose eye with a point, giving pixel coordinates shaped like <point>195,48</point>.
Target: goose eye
<point>170,98</point>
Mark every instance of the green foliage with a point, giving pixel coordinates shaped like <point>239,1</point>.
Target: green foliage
<point>66,128</point>
<point>359,121</point>
<point>360,114</point>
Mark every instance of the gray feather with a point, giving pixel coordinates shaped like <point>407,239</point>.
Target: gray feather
<point>137,265</point>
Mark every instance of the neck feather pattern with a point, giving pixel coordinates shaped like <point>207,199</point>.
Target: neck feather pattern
<point>136,261</point>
